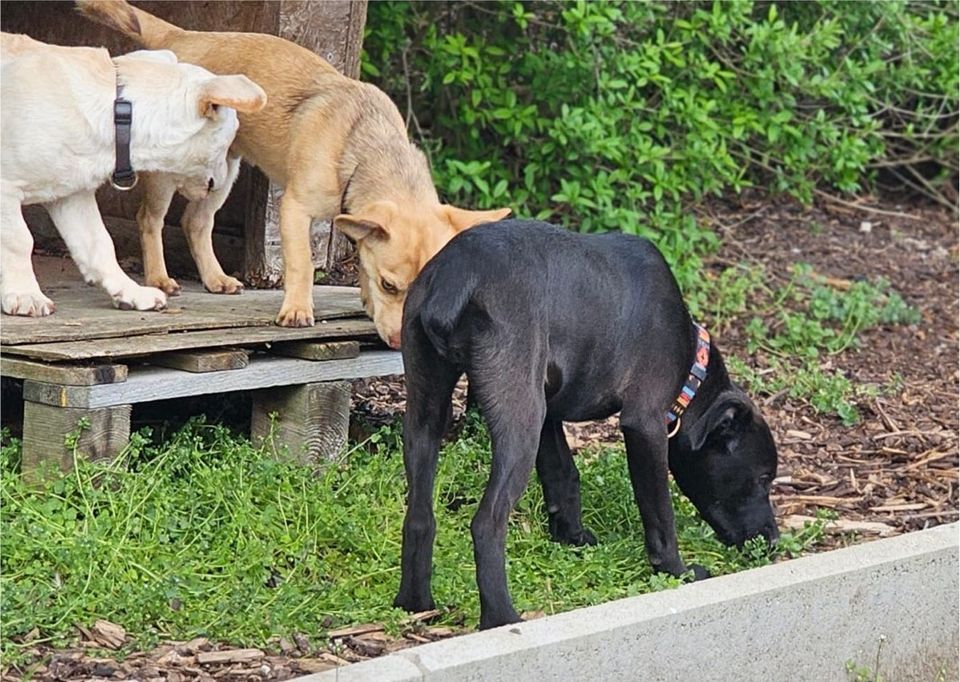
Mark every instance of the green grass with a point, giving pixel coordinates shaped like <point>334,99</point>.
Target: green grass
<point>206,535</point>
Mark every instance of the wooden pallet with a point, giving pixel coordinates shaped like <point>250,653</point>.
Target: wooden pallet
<point>91,362</point>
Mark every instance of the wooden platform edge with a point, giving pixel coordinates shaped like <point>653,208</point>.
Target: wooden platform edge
<point>67,375</point>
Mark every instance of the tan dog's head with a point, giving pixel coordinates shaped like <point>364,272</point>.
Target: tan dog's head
<point>394,242</point>
<point>186,115</point>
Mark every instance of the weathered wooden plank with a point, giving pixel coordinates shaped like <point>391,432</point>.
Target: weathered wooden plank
<point>308,423</point>
<point>314,350</point>
<point>86,313</point>
<point>158,343</point>
<point>70,375</point>
<point>202,361</point>
<point>45,427</point>
<point>145,384</point>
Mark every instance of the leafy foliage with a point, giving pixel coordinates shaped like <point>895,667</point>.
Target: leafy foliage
<point>618,115</point>
<point>206,535</point>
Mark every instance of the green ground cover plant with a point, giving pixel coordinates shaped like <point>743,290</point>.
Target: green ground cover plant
<point>203,534</point>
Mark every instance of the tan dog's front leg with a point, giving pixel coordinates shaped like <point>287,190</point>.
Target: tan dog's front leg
<point>297,308</point>
<point>156,201</point>
<point>198,225</point>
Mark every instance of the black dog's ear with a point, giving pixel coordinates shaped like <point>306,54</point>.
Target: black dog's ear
<point>728,412</point>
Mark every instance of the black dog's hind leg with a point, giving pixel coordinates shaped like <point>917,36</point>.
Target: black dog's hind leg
<point>430,382</point>
<point>561,486</point>
<point>514,416</point>
<point>646,440</point>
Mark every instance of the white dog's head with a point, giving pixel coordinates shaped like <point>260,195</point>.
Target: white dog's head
<point>184,117</point>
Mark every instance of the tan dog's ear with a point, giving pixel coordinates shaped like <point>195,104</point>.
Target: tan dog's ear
<point>357,228</point>
<point>461,218</point>
<point>238,92</point>
<point>373,221</point>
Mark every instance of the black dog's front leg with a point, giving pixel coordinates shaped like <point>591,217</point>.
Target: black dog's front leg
<point>646,441</point>
<point>561,487</point>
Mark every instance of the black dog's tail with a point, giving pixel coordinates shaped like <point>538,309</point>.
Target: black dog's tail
<point>442,308</point>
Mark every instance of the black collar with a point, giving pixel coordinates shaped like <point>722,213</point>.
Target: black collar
<point>124,178</point>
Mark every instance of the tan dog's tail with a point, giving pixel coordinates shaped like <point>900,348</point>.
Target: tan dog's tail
<point>141,27</point>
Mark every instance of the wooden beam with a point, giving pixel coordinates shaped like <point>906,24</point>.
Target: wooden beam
<point>202,361</point>
<point>159,343</point>
<point>69,375</point>
<point>105,433</point>
<point>307,423</point>
<point>317,351</point>
<point>145,384</point>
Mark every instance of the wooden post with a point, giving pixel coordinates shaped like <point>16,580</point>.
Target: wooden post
<point>45,428</point>
<point>339,43</point>
<point>309,421</point>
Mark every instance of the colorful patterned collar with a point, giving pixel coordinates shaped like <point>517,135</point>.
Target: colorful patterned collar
<point>698,372</point>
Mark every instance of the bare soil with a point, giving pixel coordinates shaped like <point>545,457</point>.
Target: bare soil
<point>895,471</point>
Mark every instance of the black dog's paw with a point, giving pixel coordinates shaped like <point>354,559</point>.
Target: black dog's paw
<point>584,538</point>
<point>560,532</point>
<point>699,572</point>
<point>414,604</point>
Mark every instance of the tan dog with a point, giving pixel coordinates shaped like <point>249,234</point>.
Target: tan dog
<point>333,143</point>
<point>58,146</point>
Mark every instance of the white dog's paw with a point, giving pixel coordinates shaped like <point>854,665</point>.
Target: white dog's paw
<point>31,305</point>
<point>141,298</point>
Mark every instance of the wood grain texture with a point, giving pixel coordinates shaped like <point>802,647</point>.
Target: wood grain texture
<point>69,375</point>
<point>145,384</point>
<point>317,351</point>
<point>85,312</point>
<point>46,426</point>
<point>147,344</point>
<point>202,361</point>
<point>307,423</point>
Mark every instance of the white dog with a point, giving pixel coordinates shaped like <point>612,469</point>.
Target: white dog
<point>58,137</point>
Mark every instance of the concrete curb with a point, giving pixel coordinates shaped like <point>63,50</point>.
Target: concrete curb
<point>893,600</point>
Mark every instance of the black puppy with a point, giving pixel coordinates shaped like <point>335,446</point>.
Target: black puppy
<point>552,326</point>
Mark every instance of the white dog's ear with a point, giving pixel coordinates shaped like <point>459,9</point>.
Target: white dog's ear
<point>161,56</point>
<point>238,92</point>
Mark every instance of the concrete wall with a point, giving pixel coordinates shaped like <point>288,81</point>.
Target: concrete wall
<point>893,600</point>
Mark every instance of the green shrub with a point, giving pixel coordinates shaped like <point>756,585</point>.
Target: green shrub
<point>620,115</point>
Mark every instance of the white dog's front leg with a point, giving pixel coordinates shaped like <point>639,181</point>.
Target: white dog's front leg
<point>19,290</point>
<point>78,220</point>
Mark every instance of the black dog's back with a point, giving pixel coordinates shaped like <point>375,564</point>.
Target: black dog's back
<point>611,296</point>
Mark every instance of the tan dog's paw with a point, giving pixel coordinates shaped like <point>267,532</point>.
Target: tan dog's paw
<point>294,316</point>
<point>224,284</point>
<point>167,285</point>
<point>29,305</point>
<point>141,298</point>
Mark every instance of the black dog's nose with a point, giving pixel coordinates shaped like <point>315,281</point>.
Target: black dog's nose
<point>771,533</point>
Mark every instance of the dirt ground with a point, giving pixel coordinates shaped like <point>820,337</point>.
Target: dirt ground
<point>895,471</point>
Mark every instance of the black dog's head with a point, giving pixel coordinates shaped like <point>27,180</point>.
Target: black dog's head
<point>724,463</point>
